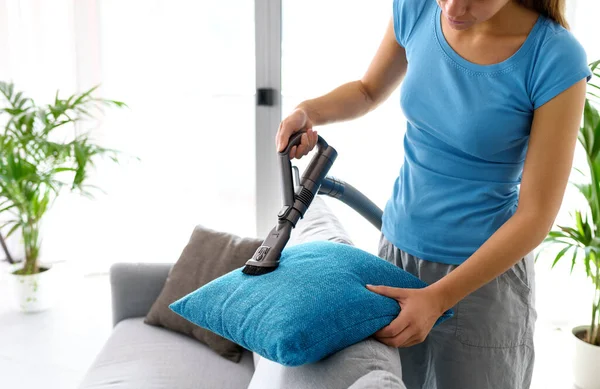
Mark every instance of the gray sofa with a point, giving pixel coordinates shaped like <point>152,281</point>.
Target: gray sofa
<point>138,355</point>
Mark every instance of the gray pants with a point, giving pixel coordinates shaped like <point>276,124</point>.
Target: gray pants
<point>489,341</point>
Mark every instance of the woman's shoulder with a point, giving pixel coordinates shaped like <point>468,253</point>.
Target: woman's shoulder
<point>553,37</point>
<point>558,61</point>
<point>407,14</point>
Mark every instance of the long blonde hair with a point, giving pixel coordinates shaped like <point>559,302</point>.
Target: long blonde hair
<point>554,9</point>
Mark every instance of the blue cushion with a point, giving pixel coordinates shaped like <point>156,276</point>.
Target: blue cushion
<point>314,304</point>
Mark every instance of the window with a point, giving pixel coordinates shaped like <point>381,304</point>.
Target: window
<point>326,44</point>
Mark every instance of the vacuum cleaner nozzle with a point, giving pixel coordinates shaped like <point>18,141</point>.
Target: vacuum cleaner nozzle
<point>266,256</point>
<point>295,203</point>
<point>257,271</point>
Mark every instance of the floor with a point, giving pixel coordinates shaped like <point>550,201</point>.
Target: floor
<point>52,350</point>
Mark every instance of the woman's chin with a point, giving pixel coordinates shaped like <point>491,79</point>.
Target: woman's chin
<point>458,25</point>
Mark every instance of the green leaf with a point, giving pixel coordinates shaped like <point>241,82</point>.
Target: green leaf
<point>560,255</point>
<point>573,260</point>
<point>557,242</point>
<point>81,97</point>
<point>573,233</point>
<point>587,262</point>
<point>6,224</point>
<point>584,228</point>
<point>119,104</point>
<point>590,121</point>
<point>557,234</point>
<point>585,190</point>
<point>12,230</point>
<point>595,126</point>
<point>580,172</point>
<point>579,223</point>
<point>63,169</point>
<point>6,208</point>
<point>6,91</point>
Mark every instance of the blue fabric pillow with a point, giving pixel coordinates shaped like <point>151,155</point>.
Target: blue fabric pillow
<point>314,304</point>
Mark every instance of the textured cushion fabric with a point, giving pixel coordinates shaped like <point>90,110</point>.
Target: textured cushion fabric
<point>314,304</point>
<point>141,356</point>
<point>378,379</point>
<point>208,255</point>
<point>338,371</point>
<point>319,223</point>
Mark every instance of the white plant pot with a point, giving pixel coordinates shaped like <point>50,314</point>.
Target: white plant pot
<point>586,362</point>
<point>33,293</point>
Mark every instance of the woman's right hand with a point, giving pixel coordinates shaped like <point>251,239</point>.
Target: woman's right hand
<point>298,120</point>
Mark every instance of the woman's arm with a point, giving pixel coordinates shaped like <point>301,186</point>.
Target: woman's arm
<point>350,100</point>
<point>545,175</point>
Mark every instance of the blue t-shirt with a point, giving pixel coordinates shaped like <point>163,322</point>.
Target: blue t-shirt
<point>468,127</point>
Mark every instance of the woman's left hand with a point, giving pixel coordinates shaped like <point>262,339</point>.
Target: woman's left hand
<point>419,310</point>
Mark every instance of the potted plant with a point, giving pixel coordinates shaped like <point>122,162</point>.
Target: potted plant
<point>581,241</point>
<point>43,152</point>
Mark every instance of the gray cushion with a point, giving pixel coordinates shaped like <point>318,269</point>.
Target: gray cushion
<point>209,254</point>
<point>135,287</point>
<point>141,356</point>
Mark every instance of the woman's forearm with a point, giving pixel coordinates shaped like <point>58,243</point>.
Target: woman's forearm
<point>516,238</point>
<point>346,102</point>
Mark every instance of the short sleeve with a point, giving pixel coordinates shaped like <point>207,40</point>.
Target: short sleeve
<point>406,14</point>
<point>562,62</point>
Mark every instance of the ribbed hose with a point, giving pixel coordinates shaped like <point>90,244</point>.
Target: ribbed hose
<point>352,197</point>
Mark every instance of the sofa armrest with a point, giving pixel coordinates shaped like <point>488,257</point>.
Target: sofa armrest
<point>135,287</point>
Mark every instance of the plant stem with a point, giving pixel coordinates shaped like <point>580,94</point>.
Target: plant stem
<point>594,329</point>
<point>5,249</point>
<point>30,236</point>
<point>595,333</point>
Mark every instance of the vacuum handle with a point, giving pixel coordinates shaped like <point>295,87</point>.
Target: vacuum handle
<point>285,164</point>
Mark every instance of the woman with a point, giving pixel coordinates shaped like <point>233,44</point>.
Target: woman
<point>493,91</point>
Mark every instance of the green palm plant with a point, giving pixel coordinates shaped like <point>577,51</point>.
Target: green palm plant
<point>37,163</point>
<point>581,240</point>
